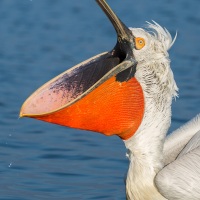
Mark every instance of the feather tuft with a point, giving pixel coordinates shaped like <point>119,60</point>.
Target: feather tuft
<point>161,34</point>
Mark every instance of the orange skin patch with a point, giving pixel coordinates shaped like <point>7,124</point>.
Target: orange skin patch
<point>114,108</point>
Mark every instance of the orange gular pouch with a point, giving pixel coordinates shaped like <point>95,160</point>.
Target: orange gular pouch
<point>90,97</point>
<point>99,94</point>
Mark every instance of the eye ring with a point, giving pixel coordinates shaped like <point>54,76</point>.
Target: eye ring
<point>139,43</point>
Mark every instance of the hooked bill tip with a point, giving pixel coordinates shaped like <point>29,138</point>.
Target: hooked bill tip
<point>21,115</point>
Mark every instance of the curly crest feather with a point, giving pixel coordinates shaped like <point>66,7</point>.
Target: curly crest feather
<point>161,34</point>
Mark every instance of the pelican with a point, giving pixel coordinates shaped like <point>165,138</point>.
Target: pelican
<point>128,92</point>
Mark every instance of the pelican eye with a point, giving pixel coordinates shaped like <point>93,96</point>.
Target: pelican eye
<point>139,43</point>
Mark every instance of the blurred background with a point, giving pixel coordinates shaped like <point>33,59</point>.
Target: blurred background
<point>41,39</point>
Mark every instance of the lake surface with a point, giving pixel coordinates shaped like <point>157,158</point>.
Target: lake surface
<point>41,39</point>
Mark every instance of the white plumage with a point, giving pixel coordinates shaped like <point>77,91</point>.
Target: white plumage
<point>180,179</point>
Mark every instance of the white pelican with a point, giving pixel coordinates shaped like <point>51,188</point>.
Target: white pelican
<point>128,92</point>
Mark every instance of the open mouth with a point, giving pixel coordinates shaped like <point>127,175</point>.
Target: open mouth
<point>100,94</point>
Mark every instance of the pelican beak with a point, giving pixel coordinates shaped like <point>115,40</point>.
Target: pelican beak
<point>99,94</point>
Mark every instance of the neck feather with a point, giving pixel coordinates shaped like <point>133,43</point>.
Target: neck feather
<point>145,147</point>
<point>145,152</point>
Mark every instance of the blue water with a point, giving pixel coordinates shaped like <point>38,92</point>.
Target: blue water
<point>40,39</point>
